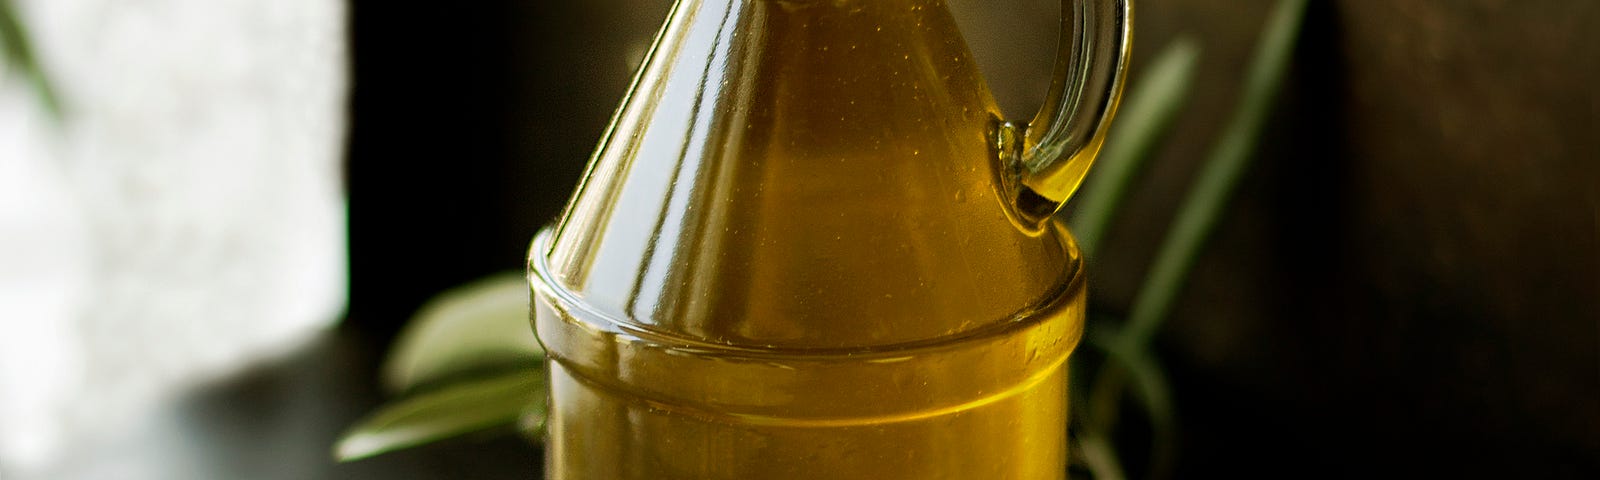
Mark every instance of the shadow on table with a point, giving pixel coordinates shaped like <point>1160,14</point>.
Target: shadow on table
<point>279,421</point>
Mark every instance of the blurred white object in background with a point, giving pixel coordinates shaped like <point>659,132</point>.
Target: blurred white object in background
<point>185,218</point>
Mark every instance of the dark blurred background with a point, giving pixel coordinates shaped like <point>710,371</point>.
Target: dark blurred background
<point>1408,284</point>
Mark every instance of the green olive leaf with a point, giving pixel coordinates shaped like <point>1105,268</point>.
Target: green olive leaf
<point>1226,164</point>
<point>480,325</point>
<point>17,52</point>
<point>1100,456</point>
<point>1128,348</point>
<point>454,410</point>
<point>1149,113</point>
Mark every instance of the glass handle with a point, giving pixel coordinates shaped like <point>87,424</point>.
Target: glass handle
<point>1058,146</point>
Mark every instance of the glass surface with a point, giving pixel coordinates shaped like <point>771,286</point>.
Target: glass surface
<point>798,254</point>
<point>630,402</point>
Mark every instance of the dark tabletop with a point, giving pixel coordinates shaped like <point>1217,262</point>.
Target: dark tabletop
<point>280,419</point>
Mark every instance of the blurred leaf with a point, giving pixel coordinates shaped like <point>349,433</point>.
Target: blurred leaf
<point>18,53</point>
<point>1103,406</point>
<point>1100,456</point>
<point>1152,106</point>
<point>1128,350</point>
<point>1094,418</point>
<point>478,325</point>
<point>1152,390</point>
<point>452,411</point>
<point>1200,212</point>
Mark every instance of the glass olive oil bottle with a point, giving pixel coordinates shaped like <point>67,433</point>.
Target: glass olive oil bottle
<point>809,248</point>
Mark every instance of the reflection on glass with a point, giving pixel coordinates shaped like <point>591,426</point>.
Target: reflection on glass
<point>798,253</point>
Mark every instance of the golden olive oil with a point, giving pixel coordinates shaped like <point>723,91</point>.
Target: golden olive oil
<point>631,403</point>
<point>797,255</point>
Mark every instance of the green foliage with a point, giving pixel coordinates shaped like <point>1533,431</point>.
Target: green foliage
<point>1225,165</point>
<point>1146,115</point>
<point>439,363</point>
<point>17,53</point>
<point>1153,104</point>
<point>460,408</point>
<point>1129,351</point>
<point>477,326</point>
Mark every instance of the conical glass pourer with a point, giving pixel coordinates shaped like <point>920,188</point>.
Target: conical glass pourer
<point>809,241</point>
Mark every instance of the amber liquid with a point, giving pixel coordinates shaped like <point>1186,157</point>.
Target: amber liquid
<point>791,260</point>
<point>631,404</point>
